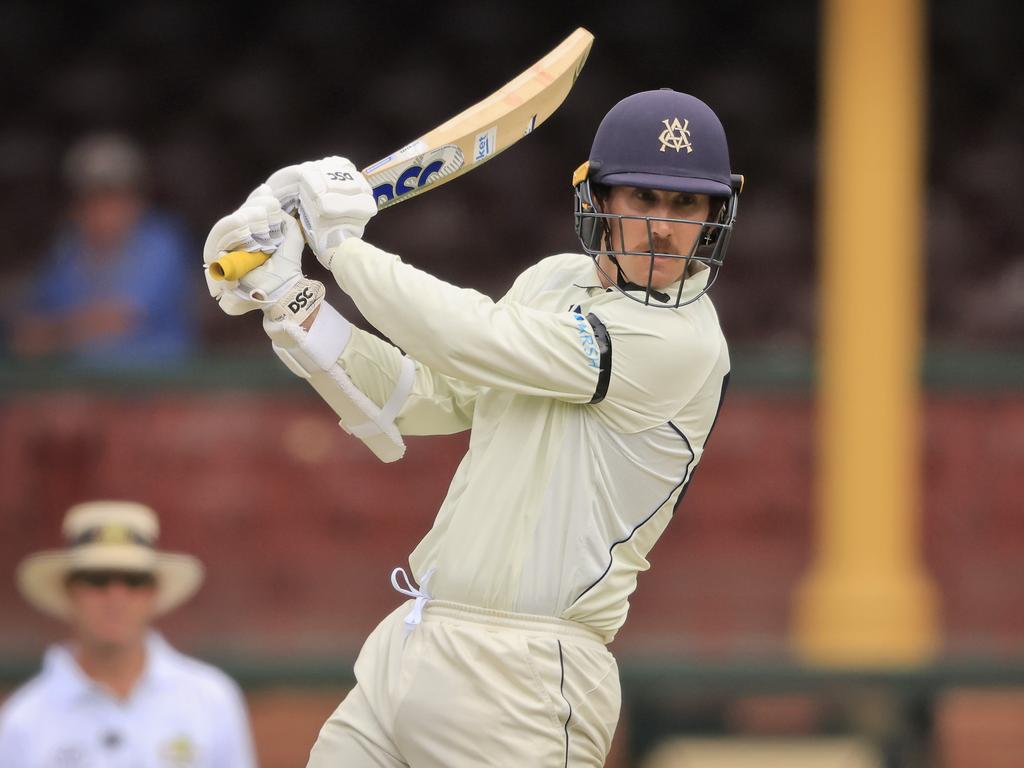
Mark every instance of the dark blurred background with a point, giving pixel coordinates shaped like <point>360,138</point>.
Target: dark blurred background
<point>221,98</point>
<point>298,524</point>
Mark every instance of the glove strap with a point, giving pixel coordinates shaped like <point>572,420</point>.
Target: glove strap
<point>313,356</point>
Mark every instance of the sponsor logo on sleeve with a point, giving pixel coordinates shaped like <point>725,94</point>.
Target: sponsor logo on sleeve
<point>587,340</point>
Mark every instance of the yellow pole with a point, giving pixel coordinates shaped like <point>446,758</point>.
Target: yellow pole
<point>867,599</point>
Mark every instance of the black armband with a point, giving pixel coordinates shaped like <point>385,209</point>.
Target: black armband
<point>604,346</point>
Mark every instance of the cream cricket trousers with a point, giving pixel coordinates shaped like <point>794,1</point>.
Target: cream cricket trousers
<point>473,688</point>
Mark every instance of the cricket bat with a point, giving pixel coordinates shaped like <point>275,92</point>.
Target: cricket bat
<point>464,142</point>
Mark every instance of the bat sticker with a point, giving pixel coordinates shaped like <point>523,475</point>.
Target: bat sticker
<point>484,144</point>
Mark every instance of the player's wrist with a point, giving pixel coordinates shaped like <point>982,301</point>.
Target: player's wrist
<point>307,324</point>
<point>298,303</point>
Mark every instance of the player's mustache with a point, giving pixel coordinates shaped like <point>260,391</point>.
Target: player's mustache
<point>657,244</point>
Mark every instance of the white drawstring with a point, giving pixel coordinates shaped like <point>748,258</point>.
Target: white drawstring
<point>421,594</point>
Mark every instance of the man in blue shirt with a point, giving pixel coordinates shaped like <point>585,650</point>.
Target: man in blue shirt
<point>116,290</point>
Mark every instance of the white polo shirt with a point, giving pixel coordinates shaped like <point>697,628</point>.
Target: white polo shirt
<point>589,412</point>
<point>182,713</point>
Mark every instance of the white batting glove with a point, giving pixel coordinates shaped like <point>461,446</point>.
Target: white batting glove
<point>259,225</point>
<point>332,198</point>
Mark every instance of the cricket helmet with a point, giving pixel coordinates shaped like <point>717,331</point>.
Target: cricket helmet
<point>663,140</point>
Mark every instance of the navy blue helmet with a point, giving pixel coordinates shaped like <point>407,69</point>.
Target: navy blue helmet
<point>658,140</point>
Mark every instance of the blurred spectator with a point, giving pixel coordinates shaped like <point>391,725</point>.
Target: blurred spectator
<point>115,290</point>
<point>117,693</point>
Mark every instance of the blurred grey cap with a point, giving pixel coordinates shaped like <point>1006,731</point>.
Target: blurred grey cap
<point>104,162</point>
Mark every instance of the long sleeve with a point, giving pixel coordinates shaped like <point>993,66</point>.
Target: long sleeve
<point>464,335</point>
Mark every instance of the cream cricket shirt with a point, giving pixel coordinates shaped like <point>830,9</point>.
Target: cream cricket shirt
<point>181,714</point>
<point>589,413</point>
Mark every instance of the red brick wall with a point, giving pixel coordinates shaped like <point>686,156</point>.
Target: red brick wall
<point>299,524</point>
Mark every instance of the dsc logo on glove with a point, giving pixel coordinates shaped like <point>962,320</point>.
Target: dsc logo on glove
<point>301,301</point>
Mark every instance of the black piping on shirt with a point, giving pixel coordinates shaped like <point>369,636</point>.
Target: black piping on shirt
<point>561,689</point>
<point>683,482</point>
<point>611,557</point>
<point>604,344</point>
<point>721,399</point>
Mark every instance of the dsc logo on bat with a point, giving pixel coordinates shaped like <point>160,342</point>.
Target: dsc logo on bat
<point>411,178</point>
<point>426,169</point>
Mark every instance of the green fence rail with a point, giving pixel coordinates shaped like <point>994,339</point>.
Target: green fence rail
<point>760,368</point>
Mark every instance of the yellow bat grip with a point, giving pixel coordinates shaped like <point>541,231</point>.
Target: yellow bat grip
<point>234,265</point>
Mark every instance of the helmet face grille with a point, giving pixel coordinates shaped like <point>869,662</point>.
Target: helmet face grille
<point>597,230</point>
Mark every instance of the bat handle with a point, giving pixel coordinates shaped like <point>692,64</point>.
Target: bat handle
<point>236,264</point>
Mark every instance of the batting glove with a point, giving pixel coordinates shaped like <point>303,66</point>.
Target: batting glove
<point>332,199</point>
<point>259,225</point>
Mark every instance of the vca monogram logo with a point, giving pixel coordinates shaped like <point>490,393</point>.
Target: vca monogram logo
<point>676,136</point>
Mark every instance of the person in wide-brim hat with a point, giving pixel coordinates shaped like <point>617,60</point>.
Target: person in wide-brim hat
<point>108,536</point>
<point>116,691</point>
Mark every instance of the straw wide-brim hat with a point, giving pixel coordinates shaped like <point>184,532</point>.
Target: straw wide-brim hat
<point>107,536</point>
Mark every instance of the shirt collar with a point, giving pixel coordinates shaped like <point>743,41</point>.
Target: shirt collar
<point>67,679</point>
<point>692,285</point>
<point>70,683</point>
<point>159,659</point>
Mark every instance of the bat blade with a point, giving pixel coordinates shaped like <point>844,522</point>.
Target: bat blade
<point>465,141</point>
<point>485,129</point>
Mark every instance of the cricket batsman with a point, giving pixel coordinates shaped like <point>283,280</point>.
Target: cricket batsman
<point>590,390</point>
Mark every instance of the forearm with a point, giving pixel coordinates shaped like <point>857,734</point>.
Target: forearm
<point>307,324</point>
<point>435,404</point>
<point>35,336</point>
<point>42,334</point>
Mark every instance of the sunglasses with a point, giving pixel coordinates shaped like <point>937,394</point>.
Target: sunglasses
<point>101,579</point>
